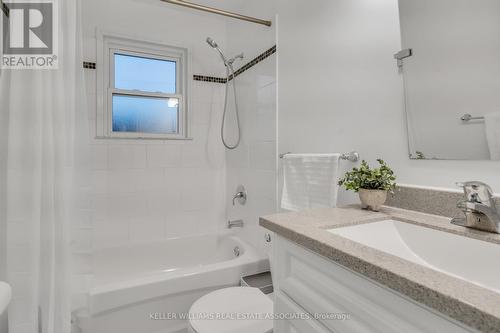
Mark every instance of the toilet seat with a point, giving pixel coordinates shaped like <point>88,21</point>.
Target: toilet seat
<point>232,310</point>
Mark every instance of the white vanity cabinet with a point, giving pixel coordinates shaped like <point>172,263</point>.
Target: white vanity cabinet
<point>307,284</point>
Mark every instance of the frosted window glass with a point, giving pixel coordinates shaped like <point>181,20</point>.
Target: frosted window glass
<point>145,114</point>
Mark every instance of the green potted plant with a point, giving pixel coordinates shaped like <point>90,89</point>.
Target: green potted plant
<point>371,184</point>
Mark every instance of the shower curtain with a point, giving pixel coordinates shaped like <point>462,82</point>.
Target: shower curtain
<point>43,181</point>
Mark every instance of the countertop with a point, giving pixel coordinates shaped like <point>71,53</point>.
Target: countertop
<point>468,303</point>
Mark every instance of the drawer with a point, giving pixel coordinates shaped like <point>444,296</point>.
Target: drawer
<point>321,286</point>
<point>297,324</point>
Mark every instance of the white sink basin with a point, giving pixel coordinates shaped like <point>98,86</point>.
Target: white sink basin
<point>469,259</point>
<point>5,295</point>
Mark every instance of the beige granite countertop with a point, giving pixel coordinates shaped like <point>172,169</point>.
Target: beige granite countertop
<point>474,306</point>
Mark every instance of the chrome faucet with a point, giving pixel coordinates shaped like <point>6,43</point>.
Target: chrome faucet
<point>479,208</point>
<point>235,224</point>
<point>241,195</point>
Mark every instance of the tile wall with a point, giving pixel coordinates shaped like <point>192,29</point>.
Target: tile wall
<point>254,162</point>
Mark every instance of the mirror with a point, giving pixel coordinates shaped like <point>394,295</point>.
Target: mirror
<point>451,67</point>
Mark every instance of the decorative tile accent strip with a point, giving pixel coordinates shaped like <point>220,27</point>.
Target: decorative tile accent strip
<point>255,61</point>
<point>241,70</point>
<point>209,79</point>
<point>89,65</point>
<point>430,201</point>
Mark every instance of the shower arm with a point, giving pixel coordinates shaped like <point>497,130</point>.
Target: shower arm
<point>219,12</point>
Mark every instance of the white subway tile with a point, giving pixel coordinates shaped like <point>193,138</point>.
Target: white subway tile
<point>263,183</point>
<point>109,233</point>
<point>146,228</point>
<point>194,155</point>
<point>181,224</point>
<point>127,157</point>
<point>201,112</point>
<point>81,240</point>
<point>150,179</point>
<point>83,263</point>
<point>90,77</point>
<point>202,92</point>
<point>123,207</point>
<point>238,158</point>
<point>263,156</point>
<point>197,190</point>
<point>99,156</point>
<point>168,155</point>
<point>161,203</point>
<point>115,182</point>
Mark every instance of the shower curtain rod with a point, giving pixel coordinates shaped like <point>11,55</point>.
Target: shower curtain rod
<point>219,11</point>
<point>4,8</point>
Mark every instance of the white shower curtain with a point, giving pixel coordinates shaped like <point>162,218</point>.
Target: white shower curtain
<point>42,146</point>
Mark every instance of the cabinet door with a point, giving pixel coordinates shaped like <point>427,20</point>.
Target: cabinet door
<point>296,320</point>
<point>320,286</point>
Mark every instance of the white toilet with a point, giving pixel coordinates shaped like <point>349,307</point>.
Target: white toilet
<point>228,303</point>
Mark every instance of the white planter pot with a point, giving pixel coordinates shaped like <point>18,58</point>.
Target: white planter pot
<point>372,199</point>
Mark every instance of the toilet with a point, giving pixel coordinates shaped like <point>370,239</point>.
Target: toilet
<point>222,311</point>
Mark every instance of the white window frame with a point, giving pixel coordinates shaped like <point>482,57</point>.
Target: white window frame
<point>107,46</point>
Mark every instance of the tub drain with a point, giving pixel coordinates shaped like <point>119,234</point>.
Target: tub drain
<point>236,251</point>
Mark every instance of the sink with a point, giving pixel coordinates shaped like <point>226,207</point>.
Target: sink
<point>466,258</point>
<point>5,295</point>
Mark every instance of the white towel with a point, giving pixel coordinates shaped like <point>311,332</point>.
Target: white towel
<point>310,181</point>
<point>492,121</point>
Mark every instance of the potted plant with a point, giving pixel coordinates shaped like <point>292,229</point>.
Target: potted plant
<point>371,184</point>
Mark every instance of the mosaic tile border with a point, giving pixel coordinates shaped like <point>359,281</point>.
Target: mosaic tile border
<point>241,70</point>
<point>209,79</point>
<point>89,65</point>
<point>213,79</point>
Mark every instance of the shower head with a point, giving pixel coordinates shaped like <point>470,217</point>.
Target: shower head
<point>212,43</point>
<point>227,62</point>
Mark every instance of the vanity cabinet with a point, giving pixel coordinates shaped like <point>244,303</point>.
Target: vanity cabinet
<point>334,299</point>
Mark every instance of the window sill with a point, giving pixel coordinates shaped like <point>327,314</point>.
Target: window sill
<point>142,139</point>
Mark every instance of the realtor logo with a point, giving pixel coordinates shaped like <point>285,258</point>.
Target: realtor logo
<point>30,35</point>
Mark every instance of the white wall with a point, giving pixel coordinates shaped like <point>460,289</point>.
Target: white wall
<point>150,190</point>
<point>340,90</point>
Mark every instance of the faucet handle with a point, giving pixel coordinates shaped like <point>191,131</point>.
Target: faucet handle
<point>241,195</point>
<point>478,192</point>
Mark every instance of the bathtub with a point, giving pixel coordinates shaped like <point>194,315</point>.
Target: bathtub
<point>131,283</point>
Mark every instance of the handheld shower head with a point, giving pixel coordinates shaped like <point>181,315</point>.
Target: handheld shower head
<point>212,43</point>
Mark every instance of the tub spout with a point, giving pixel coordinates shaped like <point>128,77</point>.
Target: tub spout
<point>235,224</point>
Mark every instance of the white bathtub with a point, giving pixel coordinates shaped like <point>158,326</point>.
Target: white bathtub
<point>132,282</point>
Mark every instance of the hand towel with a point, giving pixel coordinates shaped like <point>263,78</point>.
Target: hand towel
<point>492,121</point>
<point>310,181</point>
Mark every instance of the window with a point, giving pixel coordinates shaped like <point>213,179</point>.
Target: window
<point>144,90</point>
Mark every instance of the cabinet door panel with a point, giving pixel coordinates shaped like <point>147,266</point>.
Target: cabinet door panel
<point>283,305</point>
<point>321,286</point>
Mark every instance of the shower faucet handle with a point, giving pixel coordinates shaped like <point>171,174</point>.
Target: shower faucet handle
<point>241,195</point>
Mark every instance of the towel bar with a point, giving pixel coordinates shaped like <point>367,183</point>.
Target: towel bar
<point>353,156</point>
<point>468,117</point>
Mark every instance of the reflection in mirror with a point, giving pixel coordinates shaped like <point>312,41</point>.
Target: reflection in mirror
<point>452,78</point>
